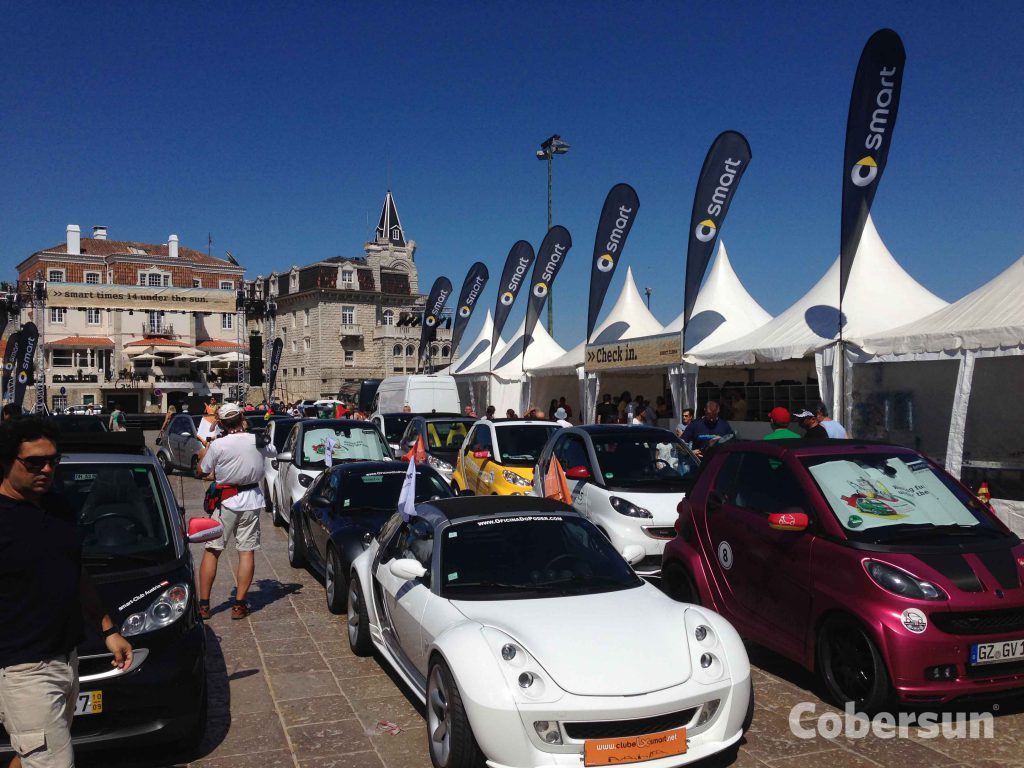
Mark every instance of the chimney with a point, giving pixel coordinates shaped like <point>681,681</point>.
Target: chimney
<point>172,246</point>
<point>99,233</point>
<point>74,240</point>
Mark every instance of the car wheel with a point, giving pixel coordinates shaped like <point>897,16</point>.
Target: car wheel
<point>678,584</point>
<point>358,620</point>
<point>335,583</point>
<point>851,666</point>
<point>195,734</point>
<point>297,557</point>
<point>449,735</point>
<point>193,466</point>
<point>275,512</point>
<point>165,463</point>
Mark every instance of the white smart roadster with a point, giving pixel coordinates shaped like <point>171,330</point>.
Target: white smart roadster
<point>533,643</point>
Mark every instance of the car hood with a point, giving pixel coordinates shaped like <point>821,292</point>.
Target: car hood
<point>663,505</point>
<point>620,643</point>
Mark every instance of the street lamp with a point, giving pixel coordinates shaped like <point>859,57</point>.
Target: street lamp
<point>647,293</point>
<point>551,146</point>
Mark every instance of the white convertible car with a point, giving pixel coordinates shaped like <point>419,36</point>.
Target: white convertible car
<point>533,643</point>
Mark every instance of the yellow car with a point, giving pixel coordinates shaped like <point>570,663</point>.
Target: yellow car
<point>497,458</point>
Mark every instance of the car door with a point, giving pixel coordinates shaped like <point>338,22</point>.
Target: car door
<point>320,510</point>
<point>481,440</point>
<point>181,430</point>
<point>764,572</point>
<point>405,601</point>
<point>571,451</point>
<point>285,467</point>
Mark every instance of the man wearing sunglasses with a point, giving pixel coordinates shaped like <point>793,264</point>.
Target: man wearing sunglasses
<point>46,598</point>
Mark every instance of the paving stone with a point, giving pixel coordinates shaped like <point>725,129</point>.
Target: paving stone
<point>303,685</point>
<point>255,734</point>
<point>408,749</point>
<point>323,709</point>
<point>276,758</point>
<point>295,662</point>
<point>836,758</point>
<point>354,760</point>
<point>334,738</point>
<point>370,687</point>
<point>770,737</point>
<point>396,709</point>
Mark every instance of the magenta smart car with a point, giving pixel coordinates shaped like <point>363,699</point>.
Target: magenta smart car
<point>866,563</point>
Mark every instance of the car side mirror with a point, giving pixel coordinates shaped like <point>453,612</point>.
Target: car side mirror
<point>789,521</point>
<point>481,454</point>
<point>284,456</point>
<point>466,492</point>
<point>407,569</point>
<point>202,529</point>
<point>320,501</point>
<point>578,473</point>
<point>633,553</point>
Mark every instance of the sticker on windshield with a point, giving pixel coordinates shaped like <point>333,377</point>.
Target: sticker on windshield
<point>725,555</point>
<point>918,466</point>
<point>524,519</point>
<point>914,620</point>
<point>82,476</point>
<point>453,576</point>
<point>453,534</point>
<point>609,475</point>
<point>854,521</point>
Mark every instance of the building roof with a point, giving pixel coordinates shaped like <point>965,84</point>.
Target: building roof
<point>82,341</point>
<point>218,344</point>
<point>157,341</point>
<point>103,248</point>
<point>389,227</point>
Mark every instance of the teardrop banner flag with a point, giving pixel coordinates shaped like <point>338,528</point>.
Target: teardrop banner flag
<point>720,176</point>
<point>275,362</point>
<point>472,288</point>
<point>517,264</point>
<point>550,259</point>
<point>869,128</point>
<point>436,300</point>
<point>10,356</point>
<point>25,362</point>
<point>617,216</point>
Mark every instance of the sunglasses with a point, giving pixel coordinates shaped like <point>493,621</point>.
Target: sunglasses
<point>37,463</point>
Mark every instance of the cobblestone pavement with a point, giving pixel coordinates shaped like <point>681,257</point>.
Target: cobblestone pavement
<point>287,692</point>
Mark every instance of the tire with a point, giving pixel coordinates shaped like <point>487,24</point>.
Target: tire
<point>678,584</point>
<point>275,513</point>
<point>748,718</point>
<point>194,737</point>
<point>335,583</point>
<point>851,667</point>
<point>359,639</point>
<point>450,739</point>
<point>297,556</point>
<point>165,463</point>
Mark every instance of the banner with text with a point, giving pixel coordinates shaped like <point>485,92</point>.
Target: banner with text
<point>720,176</point>
<point>10,356</point>
<point>472,288</point>
<point>139,297</point>
<point>438,297</point>
<point>649,351</point>
<point>869,127</point>
<point>517,264</point>
<point>274,364</point>
<point>550,258</point>
<point>24,364</point>
<point>620,209</point>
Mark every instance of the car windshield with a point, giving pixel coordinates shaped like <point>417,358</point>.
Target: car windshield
<point>447,435</point>
<point>651,459</point>
<point>346,444</point>
<point>898,497</point>
<point>394,426</point>
<point>281,430</point>
<point>528,556</point>
<point>521,444</point>
<point>380,490</point>
<point>120,511</point>
<point>76,424</point>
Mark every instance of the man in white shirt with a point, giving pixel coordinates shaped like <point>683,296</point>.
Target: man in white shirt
<point>235,461</point>
<point>835,430</point>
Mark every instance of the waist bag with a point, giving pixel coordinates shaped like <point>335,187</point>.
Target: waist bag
<point>217,493</point>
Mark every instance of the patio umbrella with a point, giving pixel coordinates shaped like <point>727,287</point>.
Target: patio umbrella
<point>186,356</point>
<point>231,357</point>
<point>147,356</point>
<point>140,350</point>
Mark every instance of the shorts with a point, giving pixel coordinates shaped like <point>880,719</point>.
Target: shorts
<point>37,704</point>
<point>243,525</point>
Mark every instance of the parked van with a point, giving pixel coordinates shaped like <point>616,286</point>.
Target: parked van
<point>422,393</point>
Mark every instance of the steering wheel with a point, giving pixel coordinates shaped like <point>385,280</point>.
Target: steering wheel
<point>659,464</point>
<point>558,558</point>
<point>106,515</point>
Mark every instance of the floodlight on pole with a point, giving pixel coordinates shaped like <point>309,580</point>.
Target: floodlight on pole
<point>550,147</point>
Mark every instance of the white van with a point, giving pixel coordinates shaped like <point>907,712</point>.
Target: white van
<point>422,393</point>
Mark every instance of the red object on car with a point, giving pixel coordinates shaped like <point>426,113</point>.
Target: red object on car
<point>866,563</point>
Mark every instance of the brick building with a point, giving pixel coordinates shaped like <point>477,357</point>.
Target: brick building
<point>349,318</point>
<point>128,322</point>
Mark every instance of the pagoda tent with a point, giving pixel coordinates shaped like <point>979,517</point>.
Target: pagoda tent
<point>949,384</point>
<point>476,352</point>
<point>880,295</point>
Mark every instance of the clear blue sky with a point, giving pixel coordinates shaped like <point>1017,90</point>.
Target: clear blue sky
<point>273,126</point>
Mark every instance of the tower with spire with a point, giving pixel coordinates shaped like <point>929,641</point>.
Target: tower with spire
<point>389,228</point>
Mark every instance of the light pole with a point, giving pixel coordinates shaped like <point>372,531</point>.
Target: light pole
<point>551,146</point>
<point>647,293</point>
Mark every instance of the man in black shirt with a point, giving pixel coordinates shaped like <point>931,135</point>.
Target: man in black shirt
<point>606,412</point>
<point>44,597</point>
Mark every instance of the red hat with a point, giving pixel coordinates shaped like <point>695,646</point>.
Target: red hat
<point>779,415</point>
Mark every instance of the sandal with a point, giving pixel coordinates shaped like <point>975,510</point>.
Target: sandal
<point>239,610</point>
<point>204,610</point>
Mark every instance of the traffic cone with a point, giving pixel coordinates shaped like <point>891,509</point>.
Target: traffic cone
<point>983,493</point>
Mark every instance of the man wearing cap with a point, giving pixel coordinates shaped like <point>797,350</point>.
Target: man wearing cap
<point>809,422</point>
<point>235,461</point>
<point>561,417</point>
<point>778,417</point>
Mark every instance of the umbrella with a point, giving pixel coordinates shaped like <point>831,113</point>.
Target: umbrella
<point>231,357</point>
<point>139,358</point>
<point>185,356</point>
<point>141,350</point>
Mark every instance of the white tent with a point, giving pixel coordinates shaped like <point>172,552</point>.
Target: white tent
<point>949,383</point>
<point>472,354</point>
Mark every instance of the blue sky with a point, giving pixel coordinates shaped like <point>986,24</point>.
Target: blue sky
<point>277,127</point>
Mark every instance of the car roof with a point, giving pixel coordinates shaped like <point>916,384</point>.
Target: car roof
<point>319,423</point>
<point>105,447</point>
<point>366,467</point>
<point>800,446</point>
<point>621,429</point>
<point>519,422</point>
<point>462,508</point>
<point>444,417</point>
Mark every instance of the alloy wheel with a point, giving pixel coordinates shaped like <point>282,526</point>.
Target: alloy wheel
<point>438,720</point>
<point>330,582</point>
<point>353,612</point>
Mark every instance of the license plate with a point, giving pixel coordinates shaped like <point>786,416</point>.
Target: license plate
<point>992,653</point>
<point>634,749</point>
<point>89,703</point>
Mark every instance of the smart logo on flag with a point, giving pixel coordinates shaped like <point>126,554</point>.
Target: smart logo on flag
<point>864,171</point>
<point>706,231</point>
<point>605,263</point>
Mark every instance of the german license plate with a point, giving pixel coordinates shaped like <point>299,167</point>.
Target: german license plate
<point>634,749</point>
<point>89,703</point>
<point>992,653</point>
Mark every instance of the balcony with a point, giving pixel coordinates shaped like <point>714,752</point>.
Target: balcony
<point>158,329</point>
<point>351,329</point>
<point>407,332</point>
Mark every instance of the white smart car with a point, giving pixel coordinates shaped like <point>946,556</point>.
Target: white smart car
<point>532,643</point>
<point>627,480</point>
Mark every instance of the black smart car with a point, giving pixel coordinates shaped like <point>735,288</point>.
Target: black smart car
<point>343,510</point>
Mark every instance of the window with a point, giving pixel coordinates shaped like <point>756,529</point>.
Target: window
<point>348,278</point>
<point>397,351</point>
<point>226,285</point>
<point>154,279</point>
<point>479,440</point>
<point>156,321</point>
<point>305,318</point>
<point>571,452</point>
<point>92,278</point>
<point>293,280</point>
<point>284,332</point>
<point>434,349</point>
<point>305,344</point>
<point>57,315</point>
<point>302,371</point>
<point>764,484</point>
<point>348,315</point>
<point>388,318</point>
<point>62,358</point>
<point>227,322</point>
<point>60,403</point>
<point>93,316</point>
<point>410,350</point>
<point>197,283</point>
<point>55,275</point>
<point>295,345</point>
<point>446,351</point>
<point>350,357</point>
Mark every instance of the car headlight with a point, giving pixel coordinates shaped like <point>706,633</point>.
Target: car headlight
<point>438,464</point>
<point>899,582</point>
<point>523,674</point>
<point>305,480</point>
<point>168,607</point>
<point>628,508</point>
<point>514,479</point>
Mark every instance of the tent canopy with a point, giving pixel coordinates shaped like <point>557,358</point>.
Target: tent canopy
<point>475,352</point>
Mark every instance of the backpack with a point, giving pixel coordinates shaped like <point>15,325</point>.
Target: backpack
<point>119,418</point>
